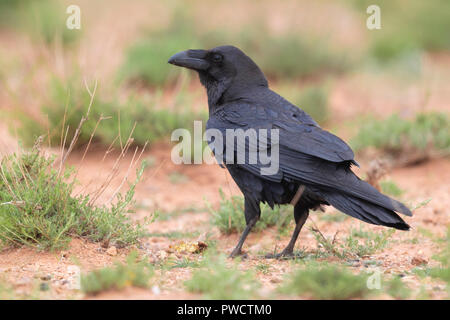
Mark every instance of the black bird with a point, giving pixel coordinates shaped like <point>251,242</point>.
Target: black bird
<point>314,165</point>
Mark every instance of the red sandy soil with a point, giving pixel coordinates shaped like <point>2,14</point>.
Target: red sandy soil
<point>23,267</point>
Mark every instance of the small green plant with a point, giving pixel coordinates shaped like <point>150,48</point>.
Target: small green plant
<point>390,188</point>
<point>121,275</point>
<point>325,282</point>
<point>263,268</point>
<point>397,135</point>
<point>229,218</point>
<point>217,281</point>
<point>397,289</point>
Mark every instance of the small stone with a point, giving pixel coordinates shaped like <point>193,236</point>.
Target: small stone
<point>46,277</point>
<point>156,290</point>
<point>112,251</point>
<point>417,261</point>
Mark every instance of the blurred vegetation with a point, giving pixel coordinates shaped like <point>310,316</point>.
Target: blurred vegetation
<point>132,273</point>
<point>287,56</point>
<point>325,282</point>
<point>397,135</point>
<point>390,188</point>
<point>408,27</point>
<point>69,102</point>
<point>442,271</point>
<point>43,20</point>
<point>229,216</point>
<point>38,207</point>
<point>215,280</point>
<point>358,243</point>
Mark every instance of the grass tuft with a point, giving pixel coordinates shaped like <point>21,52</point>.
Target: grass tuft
<point>131,273</point>
<point>38,208</point>
<point>217,281</point>
<point>325,282</point>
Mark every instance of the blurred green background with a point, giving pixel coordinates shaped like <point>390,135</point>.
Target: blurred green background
<point>320,55</point>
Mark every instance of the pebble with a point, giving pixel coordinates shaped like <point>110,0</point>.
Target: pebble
<point>417,261</point>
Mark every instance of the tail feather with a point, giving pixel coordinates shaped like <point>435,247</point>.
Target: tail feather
<point>365,210</point>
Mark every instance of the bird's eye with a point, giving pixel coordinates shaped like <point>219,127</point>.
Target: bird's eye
<point>217,58</point>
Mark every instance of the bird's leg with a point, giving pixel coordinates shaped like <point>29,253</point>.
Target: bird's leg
<point>237,250</point>
<point>252,214</point>
<point>300,216</point>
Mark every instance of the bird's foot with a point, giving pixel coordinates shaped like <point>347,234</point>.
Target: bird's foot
<point>283,255</point>
<point>238,253</point>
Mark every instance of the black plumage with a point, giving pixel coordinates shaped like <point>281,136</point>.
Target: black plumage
<point>313,163</point>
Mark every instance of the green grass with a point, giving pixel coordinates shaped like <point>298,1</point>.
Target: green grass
<point>325,282</point>
<point>229,217</point>
<point>132,273</point>
<point>397,135</point>
<point>38,208</point>
<point>397,289</point>
<point>112,121</point>
<point>215,280</point>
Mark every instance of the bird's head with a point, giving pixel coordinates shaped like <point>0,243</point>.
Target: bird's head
<point>226,72</point>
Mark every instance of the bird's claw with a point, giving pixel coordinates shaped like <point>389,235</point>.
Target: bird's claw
<point>284,255</point>
<point>236,254</point>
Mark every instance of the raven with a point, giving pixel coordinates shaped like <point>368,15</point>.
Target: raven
<point>314,166</point>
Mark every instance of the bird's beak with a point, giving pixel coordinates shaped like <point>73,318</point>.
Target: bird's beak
<point>192,59</point>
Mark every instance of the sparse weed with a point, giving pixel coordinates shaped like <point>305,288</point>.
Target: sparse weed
<point>325,282</point>
<point>217,281</point>
<point>132,273</point>
<point>350,246</point>
<point>229,218</point>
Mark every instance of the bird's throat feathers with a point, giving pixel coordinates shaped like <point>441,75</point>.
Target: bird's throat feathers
<point>240,86</point>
